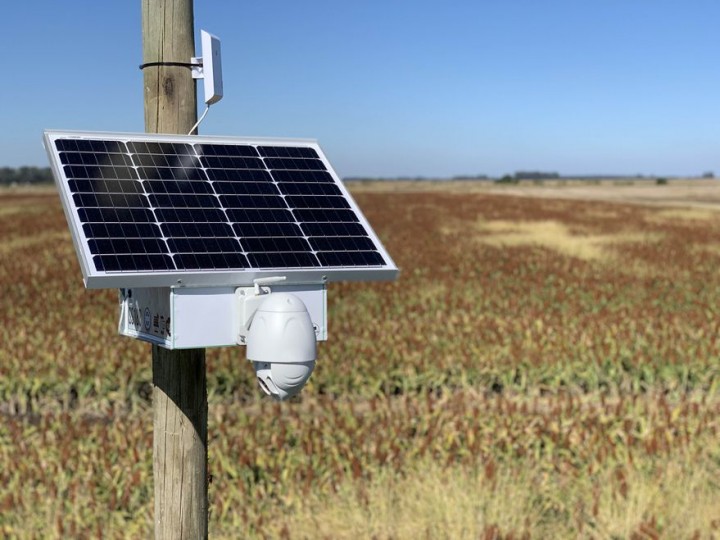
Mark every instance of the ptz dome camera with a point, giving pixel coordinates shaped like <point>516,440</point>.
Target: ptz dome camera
<point>281,344</point>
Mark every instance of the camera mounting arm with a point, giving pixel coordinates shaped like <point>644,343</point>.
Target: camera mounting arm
<point>249,299</point>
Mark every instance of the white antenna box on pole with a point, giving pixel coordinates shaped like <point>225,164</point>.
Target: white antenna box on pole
<point>209,67</point>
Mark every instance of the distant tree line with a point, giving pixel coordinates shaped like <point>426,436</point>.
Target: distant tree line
<point>527,175</point>
<point>536,175</point>
<point>25,175</point>
<point>470,177</point>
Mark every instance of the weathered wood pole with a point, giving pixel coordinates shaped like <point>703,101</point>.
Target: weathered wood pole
<point>179,378</point>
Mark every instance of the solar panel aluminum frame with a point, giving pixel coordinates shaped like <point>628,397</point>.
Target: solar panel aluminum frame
<point>95,279</point>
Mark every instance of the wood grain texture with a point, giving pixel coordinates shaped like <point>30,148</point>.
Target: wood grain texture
<point>179,377</point>
<point>180,443</point>
<point>170,91</point>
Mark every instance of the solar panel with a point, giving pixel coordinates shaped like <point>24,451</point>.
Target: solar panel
<point>164,210</point>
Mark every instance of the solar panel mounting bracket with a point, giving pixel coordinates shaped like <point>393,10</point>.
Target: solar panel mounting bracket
<point>259,282</point>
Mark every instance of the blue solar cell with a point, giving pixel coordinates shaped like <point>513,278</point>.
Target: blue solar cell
<point>239,175</point>
<point>287,151</point>
<point>232,162</point>
<point>210,261</point>
<point>197,230</point>
<point>283,260</point>
<point>93,173</point>
<point>109,199</point>
<point>303,176</point>
<point>246,188</point>
<point>90,145</point>
<point>316,201</point>
<point>105,186</point>
<point>255,215</point>
<point>231,150</point>
<point>276,243</point>
<point>288,188</point>
<point>260,230</point>
<point>189,215</point>
<point>333,229</point>
<point>342,243</point>
<point>89,158</point>
<point>126,245</point>
<point>350,258</point>
<point>121,230</point>
<point>138,262</point>
<point>184,200</point>
<point>203,245</point>
<point>162,148</point>
<point>253,201</point>
<point>291,164</point>
<point>178,186</point>
<point>324,214</point>
<point>117,215</point>
<point>171,173</point>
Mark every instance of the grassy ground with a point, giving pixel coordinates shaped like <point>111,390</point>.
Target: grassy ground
<point>543,368</point>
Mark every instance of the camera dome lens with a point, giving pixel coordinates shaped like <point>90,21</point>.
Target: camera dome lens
<point>282,381</point>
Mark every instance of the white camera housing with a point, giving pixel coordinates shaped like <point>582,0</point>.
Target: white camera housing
<point>281,345</point>
<point>280,338</point>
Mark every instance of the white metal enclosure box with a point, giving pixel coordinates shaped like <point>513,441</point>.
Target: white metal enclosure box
<point>187,318</point>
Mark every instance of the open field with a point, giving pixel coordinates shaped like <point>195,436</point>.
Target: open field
<point>547,366</point>
<point>678,192</point>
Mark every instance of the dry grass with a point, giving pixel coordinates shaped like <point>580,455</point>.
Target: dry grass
<point>22,242</point>
<point>551,235</point>
<point>438,502</point>
<point>543,367</point>
<point>683,193</point>
<point>555,236</point>
<point>681,214</point>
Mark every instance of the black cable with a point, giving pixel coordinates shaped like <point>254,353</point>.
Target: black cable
<point>173,64</point>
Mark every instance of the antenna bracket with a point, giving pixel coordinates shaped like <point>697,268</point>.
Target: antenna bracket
<point>196,67</point>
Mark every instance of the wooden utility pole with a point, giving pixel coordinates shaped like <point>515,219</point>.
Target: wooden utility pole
<point>179,378</point>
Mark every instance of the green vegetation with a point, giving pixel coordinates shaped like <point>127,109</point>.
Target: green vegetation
<point>542,368</point>
<point>507,179</point>
<point>536,175</point>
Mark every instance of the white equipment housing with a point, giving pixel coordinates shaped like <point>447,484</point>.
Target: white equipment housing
<point>198,317</point>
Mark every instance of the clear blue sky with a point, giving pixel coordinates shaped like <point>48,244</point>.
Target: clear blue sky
<point>398,87</point>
